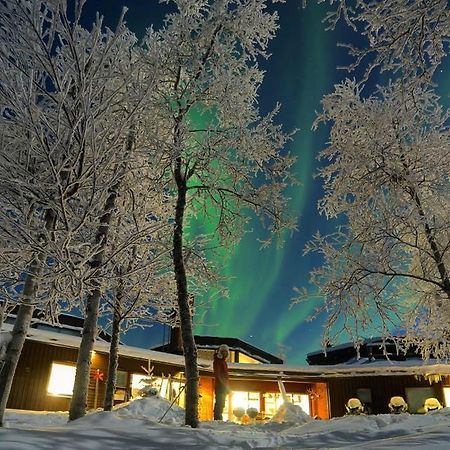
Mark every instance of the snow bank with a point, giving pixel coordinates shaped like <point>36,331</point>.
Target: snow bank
<point>292,414</point>
<point>28,420</point>
<point>134,426</point>
<point>151,408</point>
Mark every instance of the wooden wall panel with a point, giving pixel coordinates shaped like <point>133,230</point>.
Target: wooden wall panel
<point>382,388</point>
<point>29,389</point>
<point>320,401</point>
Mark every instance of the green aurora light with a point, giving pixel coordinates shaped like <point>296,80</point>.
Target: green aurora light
<point>301,70</point>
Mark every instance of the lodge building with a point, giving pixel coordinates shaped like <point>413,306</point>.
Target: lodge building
<point>46,371</point>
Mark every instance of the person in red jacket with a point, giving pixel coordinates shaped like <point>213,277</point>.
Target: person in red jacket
<point>221,381</point>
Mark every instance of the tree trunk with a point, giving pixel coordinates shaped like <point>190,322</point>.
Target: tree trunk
<point>78,403</point>
<point>3,313</point>
<point>437,255</point>
<point>112,363</point>
<point>19,334</point>
<point>189,348</point>
<point>22,322</point>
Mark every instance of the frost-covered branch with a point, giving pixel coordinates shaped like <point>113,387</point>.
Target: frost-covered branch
<point>386,172</point>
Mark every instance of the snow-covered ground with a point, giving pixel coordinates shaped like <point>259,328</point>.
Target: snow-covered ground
<point>136,426</point>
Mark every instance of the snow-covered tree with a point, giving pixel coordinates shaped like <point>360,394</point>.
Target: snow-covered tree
<point>33,158</point>
<point>67,134</point>
<point>124,112</point>
<point>223,157</point>
<point>408,38</point>
<point>387,174</point>
<point>141,289</point>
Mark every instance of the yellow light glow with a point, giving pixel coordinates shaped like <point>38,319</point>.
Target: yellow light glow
<point>62,379</point>
<point>446,395</point>
<point>163,391</point>
<point>273,401</point>
<point>137,383</point>
<point>303,402</point>
<point>240,400</point>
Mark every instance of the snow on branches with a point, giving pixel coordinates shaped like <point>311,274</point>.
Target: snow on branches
<point>408,38</point>
<point>223,158</point>
<point>386,172</point>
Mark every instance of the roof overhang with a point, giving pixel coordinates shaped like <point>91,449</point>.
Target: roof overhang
<point>254,371</point>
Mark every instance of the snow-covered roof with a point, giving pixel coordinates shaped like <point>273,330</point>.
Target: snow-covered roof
<point>71,341</point>
<point>361,367</point>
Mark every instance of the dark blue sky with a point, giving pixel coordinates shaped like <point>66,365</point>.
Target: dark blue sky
<point>301,70</point>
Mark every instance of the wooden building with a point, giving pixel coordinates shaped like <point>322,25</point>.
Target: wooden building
<point>46,371</point>
<point>377,371</point>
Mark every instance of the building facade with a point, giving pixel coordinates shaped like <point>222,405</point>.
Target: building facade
<point>377,371</point>
<point>46,372</point>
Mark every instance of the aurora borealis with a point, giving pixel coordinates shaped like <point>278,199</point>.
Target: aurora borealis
<point>301,70</point>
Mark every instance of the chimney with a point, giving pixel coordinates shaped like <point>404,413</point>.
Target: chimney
<point>176,342</point>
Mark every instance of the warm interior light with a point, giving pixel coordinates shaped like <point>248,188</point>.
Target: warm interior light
<point>62,379</point>
<point>304,403</point>
<point>446,395</point>
<point>240,400</point>
<point>246,400</point>
<point>137,383</point>
<point>273,402</point>
<point>164,389</point>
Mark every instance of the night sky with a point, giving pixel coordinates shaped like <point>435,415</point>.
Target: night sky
<point>301,70</point>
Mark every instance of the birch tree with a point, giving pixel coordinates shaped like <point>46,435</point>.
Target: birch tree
<point>387,169</point>
<point>220,150</point>
<point>28,142</point>
<point>140,283</point>
<point>66,136</point>
<point>123,114</point>
<point>390,165</point>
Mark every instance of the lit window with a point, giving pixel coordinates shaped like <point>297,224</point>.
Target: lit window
<point>302,400</point>
<point>138,382</point>
<point>247,359</point>
<point>446,390</point>
<point>273,402</point>
<point>246,400</point>
<point>62,379</point>
<point>241,399</point>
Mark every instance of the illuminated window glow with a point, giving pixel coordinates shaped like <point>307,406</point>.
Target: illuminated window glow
<point>247,359</point>
<point>246,400</point>
<point>446,390</point>
<point>273,401</point>
<point>168,388</point>
<point>137,383</point>
<point>62,379</point>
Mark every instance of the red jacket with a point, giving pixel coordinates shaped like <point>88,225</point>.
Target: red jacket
<point>220,371</point>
